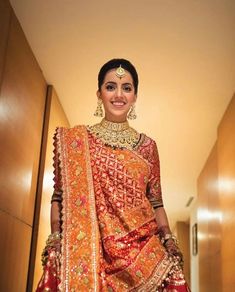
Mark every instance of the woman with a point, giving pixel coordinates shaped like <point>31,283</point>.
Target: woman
<point>109,228</point>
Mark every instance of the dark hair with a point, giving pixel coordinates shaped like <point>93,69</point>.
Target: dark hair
<point>115,63</point>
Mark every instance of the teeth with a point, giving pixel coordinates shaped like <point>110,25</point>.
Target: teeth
<point>118,103</point>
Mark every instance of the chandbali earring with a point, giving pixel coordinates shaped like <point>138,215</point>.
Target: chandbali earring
<point>99,110</point>
<point>132,114</point>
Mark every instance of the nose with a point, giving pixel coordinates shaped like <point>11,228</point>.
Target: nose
<point>119,91</point>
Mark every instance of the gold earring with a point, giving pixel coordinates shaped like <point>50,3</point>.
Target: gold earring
<point>132,114</point>
<point>99,110</point>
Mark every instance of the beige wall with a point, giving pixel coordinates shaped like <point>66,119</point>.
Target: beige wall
<point>216,209</point>
<point>22,101</point>
<point>57,118</point>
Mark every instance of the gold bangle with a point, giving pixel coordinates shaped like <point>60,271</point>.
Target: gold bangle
<point>54,236</point>
<point>167,237</point>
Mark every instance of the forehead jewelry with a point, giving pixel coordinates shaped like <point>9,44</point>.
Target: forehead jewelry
<point>120,72</point>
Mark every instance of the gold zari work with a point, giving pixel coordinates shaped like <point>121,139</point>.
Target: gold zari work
<point>119,135</point>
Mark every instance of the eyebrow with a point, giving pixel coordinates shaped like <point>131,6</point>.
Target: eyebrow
<point>112,82</point>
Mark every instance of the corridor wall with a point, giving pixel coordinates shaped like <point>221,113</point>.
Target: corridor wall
<point>22,101</point>
<point>27,105</point>
<point>226,171</point>
<point>216,209</point>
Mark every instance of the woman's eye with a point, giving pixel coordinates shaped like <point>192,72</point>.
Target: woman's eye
<point>127,88</point>
<point>110,87</point>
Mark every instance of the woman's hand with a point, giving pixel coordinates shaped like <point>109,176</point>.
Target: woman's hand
<point>173,250</point>
<point>53,245</point>
<point>167,238</point>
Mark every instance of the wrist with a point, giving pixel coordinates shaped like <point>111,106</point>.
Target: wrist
<point>53,237</point>
<point>53,242</point>
<point>169,237</point>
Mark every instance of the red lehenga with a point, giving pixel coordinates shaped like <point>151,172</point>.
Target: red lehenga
<point>109,240</point>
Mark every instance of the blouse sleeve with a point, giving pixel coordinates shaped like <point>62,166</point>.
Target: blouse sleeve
<point>154,192</point>
<point>57,194</point>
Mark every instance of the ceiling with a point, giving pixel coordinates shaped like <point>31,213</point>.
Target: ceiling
<point>184,52</point>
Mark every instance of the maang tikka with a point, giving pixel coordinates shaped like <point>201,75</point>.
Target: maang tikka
<point>120,72</point>
<point>99,110</point>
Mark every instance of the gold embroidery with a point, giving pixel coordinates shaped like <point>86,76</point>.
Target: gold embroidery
<point>78,213</point>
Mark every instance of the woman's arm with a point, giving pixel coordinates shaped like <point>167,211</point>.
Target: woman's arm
<point>55,216</point>
<point>161,219</point>
<point>55,236</point>
<point>154,195</point>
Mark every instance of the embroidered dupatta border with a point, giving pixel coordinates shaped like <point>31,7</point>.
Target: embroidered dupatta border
<point>80,235</point>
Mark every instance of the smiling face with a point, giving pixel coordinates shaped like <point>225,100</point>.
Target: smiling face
<point>118,95</point>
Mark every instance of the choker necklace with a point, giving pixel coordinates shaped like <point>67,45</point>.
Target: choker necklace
<point>119,135</point>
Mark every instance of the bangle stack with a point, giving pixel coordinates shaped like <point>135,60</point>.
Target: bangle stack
<point>53,237</point>
<point>168,236</point>
<point>52,240</point>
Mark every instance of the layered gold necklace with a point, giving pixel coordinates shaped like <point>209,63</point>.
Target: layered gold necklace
<point>119,135</point>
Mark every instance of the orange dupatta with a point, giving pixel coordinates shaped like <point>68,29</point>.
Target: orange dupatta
<point>80,232</point>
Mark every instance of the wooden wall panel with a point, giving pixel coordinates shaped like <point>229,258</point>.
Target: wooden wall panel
<point>216,210</point>
<point>14,253</point>
<point>214,224</point>
<point>5,15</point>
<point>209,232</point>
<point>22,102</point>
<point>203,238</point>
<point>194,258</point>
<point>226,162</point>
<point>182,230</point>
<point>57,118</point>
